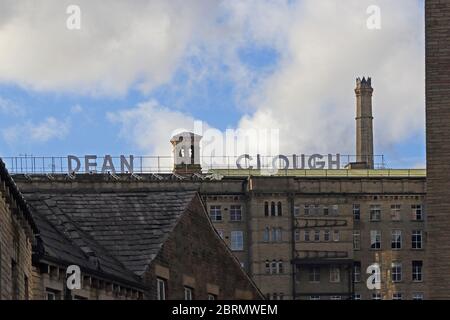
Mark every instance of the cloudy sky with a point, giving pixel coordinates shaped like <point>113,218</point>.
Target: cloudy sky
<point>137,71</point>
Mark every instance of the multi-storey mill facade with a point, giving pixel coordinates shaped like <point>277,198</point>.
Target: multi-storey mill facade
<point>307,234</point>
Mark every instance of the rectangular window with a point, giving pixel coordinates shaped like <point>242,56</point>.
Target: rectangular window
<point>52,294</point>
<point>307,209</point>
<point>220,232</point>
<point>212,296</point>
<point>357,271</point>
<point>335,210</point>
<point>317,235</point>
<point>396,239</point>
<point>296,211</point>
<point>336,235</point>
<point>297,235</point>
<point>397,296</point>
<point>417,270</point>
<point>160,289</point>
<point>306,236</point>
<point>396,271</point>
<point>326,211</point>
<point>268,268</point>
<point>335,298</point>
<point>375,239</point>
<point>416,239</point>
<point>314,298</point>
<point>188,293</point>
<point>376,296</point>
<point>335,274</point>
<point>375,212</point>
<point>417,212</point>
<point>395,212</point>
<point>237,240</point>
<point>235,213</point>
<point>356,296</point>
<point>314,274</point>
<point>316,209</point>
<point>326,235</point>
<point>356,212</point>
<point>417,296</point>
<point>273,267</point>
<point>215,213</point>
<point>356,240</point>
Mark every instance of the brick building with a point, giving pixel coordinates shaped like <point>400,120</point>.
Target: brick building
<point>130,243</point>
<point>437,16</point>
<point>17,232</point>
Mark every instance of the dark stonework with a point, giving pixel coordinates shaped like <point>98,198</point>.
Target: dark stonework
<point>437,14</point>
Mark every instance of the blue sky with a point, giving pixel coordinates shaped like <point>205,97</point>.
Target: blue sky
<point>248,62</point>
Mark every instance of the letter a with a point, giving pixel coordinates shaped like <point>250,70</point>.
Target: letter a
<point>73,22</point>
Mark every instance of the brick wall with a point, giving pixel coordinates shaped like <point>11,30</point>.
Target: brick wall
<point>437,14</point>
<point>194,256</point>
<point>10,229</point>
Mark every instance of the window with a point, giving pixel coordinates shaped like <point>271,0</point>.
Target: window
<point>376,296</point>
<point>417,296</point>
<point>315,209</point>
<point>188,293</point>
<point>266,234</point>
<point>325,210</point>
<point>356,212</point>
<point>314,274</point>
<point>306,235</point>
<point>215,213</point>
<point>326,235</point>
<point>212,296</point>
<point>14,280</point>
<point>335,210</point>
<point>395,212</point>
<point>237,240</point>
<point>273,267</point>
<point>417,212</point>
<point>280,269</point>
<point>375,239</point>
<point>375,212</point>
<point>335,274</point>
<point>335,298</point>
<point>266,209</point>
<point>278,235</point>
<point>396,272</point>
<point>314,298</point>
<point>235,213</point>
<point>220,232</point>
<point>336,235</point>
<point>297,235</point>
<point>52,294</point>
<point>317,235</point>
<point>417,270</point>
<point>397,296</point>
<point>272,209</point>
<point>396,239</point>
<point>416,239</point>
<point>160,289</point>
<point>268,270</point>
<point>357,271</point>
<point>296,211</point>
<point>280,209</point>
<point>307,210</point>
<point>26,287</point>
<point>356,296</point>
<point>356,240</point>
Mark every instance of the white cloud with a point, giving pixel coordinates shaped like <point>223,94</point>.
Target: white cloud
<point>9,107</point>
<point>44,131</point>
<point>120,44</point>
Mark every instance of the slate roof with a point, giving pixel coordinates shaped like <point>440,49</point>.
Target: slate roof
<point>121,232</point>
<point>17,196</point>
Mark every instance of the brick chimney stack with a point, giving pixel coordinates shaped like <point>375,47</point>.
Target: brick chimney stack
<point>364,119</point>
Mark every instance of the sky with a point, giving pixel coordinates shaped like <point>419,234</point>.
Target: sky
<point>137,72</point>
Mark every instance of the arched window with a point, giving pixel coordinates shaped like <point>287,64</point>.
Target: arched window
<point>272,209</point>
<point>266,208</point>
<point>280,209</point>
<point>266,234</point>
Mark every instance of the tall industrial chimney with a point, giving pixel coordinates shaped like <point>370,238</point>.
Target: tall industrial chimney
<point>364,127</point>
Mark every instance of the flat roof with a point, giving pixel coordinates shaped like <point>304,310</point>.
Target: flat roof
<point>357,173</point>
